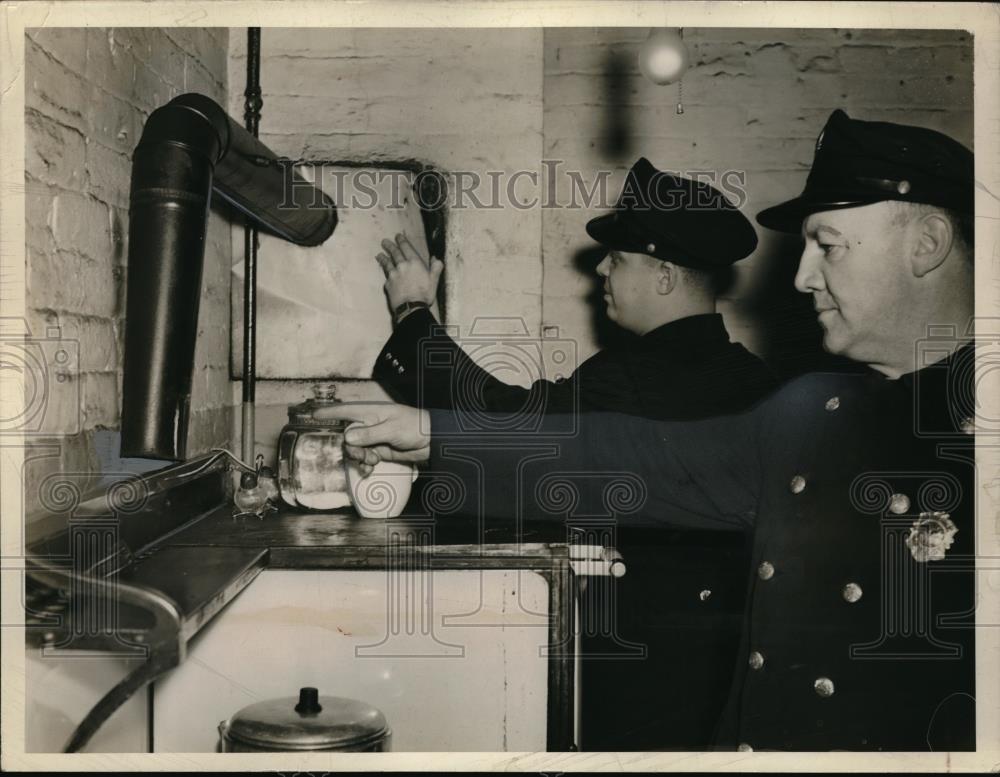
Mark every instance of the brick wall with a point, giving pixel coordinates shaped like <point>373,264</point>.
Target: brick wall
<point>89,92</point>
<point>754,100</point>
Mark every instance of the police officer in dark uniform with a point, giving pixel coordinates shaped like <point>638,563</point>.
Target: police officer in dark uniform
<point>859,489</point>
<point>666,238</point>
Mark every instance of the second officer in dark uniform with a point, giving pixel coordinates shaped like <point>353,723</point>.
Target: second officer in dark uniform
<point>666,239</point>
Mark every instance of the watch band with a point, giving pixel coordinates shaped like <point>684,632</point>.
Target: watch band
<point>406,307</point>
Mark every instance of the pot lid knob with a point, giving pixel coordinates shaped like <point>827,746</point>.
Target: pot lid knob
<point>308,702</point>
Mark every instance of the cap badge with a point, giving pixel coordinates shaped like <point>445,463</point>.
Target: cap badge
<point>903,187</point>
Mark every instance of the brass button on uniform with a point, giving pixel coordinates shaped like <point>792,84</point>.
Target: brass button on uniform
<point>967,425</point>
<point>899,504</point>
<point>832,403</point>
<point>766,570</point>
<point>388,355</point>
<point>903,187</point>
<point>823,687</point>
<point>851,592</point>
<point>756,660</point>
<point>743,747</point>
<point>797,485</point>
<point>650,248</point>
<point>400,369</point>
<point>704,595</point>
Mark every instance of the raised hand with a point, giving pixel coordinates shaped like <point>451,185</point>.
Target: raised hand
<point>409,277</point>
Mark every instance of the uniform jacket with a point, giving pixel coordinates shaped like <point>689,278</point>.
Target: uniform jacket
<point>685,369</point>
<point>858,491</point>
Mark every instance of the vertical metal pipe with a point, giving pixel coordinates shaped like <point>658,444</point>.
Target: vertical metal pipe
<point>253,104</point>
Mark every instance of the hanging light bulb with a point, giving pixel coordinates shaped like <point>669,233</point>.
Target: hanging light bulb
<point>663,57</point>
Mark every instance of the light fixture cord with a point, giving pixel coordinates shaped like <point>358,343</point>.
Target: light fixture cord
<point>680,81</point>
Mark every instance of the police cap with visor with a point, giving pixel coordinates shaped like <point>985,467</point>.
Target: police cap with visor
<point>863,162</point>
<point>669,217</point>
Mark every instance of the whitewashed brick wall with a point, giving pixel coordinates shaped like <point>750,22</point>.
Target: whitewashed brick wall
<point>88,94</point>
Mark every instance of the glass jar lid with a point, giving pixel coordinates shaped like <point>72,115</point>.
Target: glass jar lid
<point>308,722</point>
<point>324,395</point>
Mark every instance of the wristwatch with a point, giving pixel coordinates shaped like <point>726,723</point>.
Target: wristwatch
<point>404,309</point>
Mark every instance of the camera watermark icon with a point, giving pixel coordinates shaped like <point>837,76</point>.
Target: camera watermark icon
<point>966,375</point>
<point>39,385</point>
<point>478,375</point>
